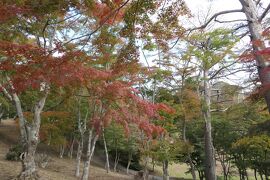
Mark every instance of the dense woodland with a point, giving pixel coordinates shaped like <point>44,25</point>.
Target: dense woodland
<point>145,83</point>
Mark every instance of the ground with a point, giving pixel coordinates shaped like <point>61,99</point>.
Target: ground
<point>58,169</point>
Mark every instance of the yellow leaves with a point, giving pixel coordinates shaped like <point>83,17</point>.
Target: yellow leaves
<point>260,143</point>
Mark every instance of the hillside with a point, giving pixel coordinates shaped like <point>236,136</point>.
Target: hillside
<point>58,169</point>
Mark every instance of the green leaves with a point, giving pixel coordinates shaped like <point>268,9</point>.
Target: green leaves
<point>212,47</point>
<point>170,149</point>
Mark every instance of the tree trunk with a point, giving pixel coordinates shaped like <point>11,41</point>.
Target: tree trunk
<point>107,166</point>
<point>116,160</point>
<point>192,168</point>
<point>70,154</point>
<point>88,157</point>
<point>261,176</point>
<point>129,162</point>
<point>165,170</point>
<point>256,30</point>
<point>223,158</point>
<point>61,151</point>
<point>145,171</point>
<point>246,174</point>
<point>153,165</point>
<point>23,132</point>
<point>29,170</point>
<point>255,174</point>
<point>200,174</point>
<point>90,151</point>
<point>50,139</point>
<point>210,166</point>
<point>78,158</point>
<point>81,129</point>
<point>193,173</point>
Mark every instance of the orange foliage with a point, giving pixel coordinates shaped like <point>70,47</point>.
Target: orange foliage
<point>108,14</point>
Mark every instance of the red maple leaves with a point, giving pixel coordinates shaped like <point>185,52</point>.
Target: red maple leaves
<point>8,12</point>
<point>108,13</point>
<point>29,66</point>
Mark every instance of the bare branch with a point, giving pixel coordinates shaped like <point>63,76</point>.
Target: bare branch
<point>219,110</point>
<point>6,93</point>
<point>240,26</point>
<point>264,13</point>
<point>215,16</point>
<point>243,34</point>
<point>222,68</point>
<point>145,59</point>
<point>236,20</point>
<point>43,32</point>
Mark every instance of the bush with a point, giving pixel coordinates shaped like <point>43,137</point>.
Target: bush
<point>14,153</point>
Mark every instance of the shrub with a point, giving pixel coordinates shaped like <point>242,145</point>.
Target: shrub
<point>14,153</point>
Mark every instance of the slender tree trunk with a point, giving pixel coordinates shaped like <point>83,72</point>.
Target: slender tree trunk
<point>261,176</point>
<point>255,174</point>
<point>90,151</point>
<point>256,30</point>
<point>246,174</point>
<point>88,157</point>
<point>225,176</point>
<point>107,166</point>
<point>193,173</point>
<point>129,161</point>
<point>78,158</point>
<point>210,166</point>
<point>225,166</point>
<point>50,139</point>
<point>240,174</point>
<point>145,171</point>
<point>116,160</point>
<point>165,170</point>
<point>61,151</point>
<point>201,174</point>
<point>81,129</point>
<point>153,165</point>
<point>70,154</point>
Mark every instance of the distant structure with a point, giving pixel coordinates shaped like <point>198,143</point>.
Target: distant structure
<point>225,94</point>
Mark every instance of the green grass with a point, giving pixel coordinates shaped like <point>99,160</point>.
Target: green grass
<point>175,170</point>
<point>179,170</point>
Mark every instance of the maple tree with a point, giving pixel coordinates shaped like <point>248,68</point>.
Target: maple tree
<point>33,64</point>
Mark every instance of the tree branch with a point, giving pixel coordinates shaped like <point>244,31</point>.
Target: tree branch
<point>6,93</point>
<point>264,13</point>
<point>222,68</point>
<point>100,26</point>
<point>215,16</point>
<point>236,20</point>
